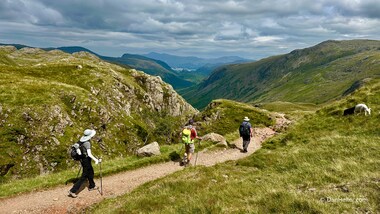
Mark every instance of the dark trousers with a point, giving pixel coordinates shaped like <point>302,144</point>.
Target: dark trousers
<point>88,173</point>
<point>246,141</point>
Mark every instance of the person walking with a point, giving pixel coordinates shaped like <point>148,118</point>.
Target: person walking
<point>88,172</point>
<point>245,131</point>
<point>189,134</point>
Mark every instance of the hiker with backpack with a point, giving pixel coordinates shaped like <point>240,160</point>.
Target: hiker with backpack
<point>246,132</point>
<point>84,155</point>
<point>188,135</point>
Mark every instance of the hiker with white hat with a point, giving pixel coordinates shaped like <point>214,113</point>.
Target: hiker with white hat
<point>245,131</point>
<point>88,172</point>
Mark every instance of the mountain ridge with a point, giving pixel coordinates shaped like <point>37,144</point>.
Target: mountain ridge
<point>195,63</point>
<point>139,62</point>
<point>316,75</point>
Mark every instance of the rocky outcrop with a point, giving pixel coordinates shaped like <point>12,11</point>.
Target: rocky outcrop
<point>149,150</point>
<point>160,96</point>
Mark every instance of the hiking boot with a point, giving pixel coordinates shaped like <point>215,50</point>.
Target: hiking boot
<point>93,188</point>
<point>73,195</point>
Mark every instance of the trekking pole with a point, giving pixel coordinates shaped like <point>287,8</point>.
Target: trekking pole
<point>196,157</point>
<point>101,182</point>
<point>179,152</point>
<point>180,149</point>
<point>80,168</point>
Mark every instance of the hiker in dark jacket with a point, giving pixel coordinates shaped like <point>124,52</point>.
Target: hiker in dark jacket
<point>246,131</point>
<point>88,171</point>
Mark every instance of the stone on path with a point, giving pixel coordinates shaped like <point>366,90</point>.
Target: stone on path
<point>149,150</point>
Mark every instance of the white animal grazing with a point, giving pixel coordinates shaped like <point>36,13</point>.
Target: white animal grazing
<point>362,107</point>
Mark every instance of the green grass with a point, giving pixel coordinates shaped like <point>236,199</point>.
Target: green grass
<point>287,107</point>
<point>294,111</point>
<point>325,163</point>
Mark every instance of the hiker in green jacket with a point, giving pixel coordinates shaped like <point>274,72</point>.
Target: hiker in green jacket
<point>189,134</point>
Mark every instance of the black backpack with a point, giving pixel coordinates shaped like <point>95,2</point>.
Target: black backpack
<point>244,130</point>
<point>73,151</point>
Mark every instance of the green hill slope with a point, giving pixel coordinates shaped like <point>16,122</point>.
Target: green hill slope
<point>316,75</point>
<point>47,99</point>
<point>325,163</point>
<point>152,67</point>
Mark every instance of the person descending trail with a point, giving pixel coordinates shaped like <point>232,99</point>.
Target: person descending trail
<point>245,131</point>
<point>85,160</point>
<point>188,135</point>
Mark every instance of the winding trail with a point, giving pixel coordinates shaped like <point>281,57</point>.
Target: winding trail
<point>56,200</point>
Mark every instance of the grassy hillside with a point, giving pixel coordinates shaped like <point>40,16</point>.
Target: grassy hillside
<point>47,99</point>
<point>313,75</point>
<point>325,163</point>
<point>225,116</point>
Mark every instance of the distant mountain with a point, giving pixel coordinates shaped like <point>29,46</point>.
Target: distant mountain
<point>149,66</point>
<point>18,46</point>
<point>152,67</point>
<point>68,49</point>
<point>74,49</point>
<point>317,74</point>
<point>177,61</point>
<point>195,63</point>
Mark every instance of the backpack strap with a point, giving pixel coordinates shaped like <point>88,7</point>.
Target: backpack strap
<point>82,149</point>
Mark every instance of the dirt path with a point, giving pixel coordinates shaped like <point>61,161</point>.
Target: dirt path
<point>56,200</point>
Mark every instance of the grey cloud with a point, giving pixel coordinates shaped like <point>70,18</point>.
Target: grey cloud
<point>252,28</point>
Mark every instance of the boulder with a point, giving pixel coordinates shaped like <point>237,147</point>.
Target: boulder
<point>149,150</point>
<point>215,138</point>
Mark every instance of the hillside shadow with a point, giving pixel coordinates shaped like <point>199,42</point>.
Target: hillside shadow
<point>175,157</point>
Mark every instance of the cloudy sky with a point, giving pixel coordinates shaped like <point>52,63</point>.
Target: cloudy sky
<point>206,28</point>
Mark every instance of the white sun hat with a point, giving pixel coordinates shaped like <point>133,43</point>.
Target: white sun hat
<point>87,135</point>
<point>246,119</point>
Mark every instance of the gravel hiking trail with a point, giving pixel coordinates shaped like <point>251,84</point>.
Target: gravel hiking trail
<point>55,200</point>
